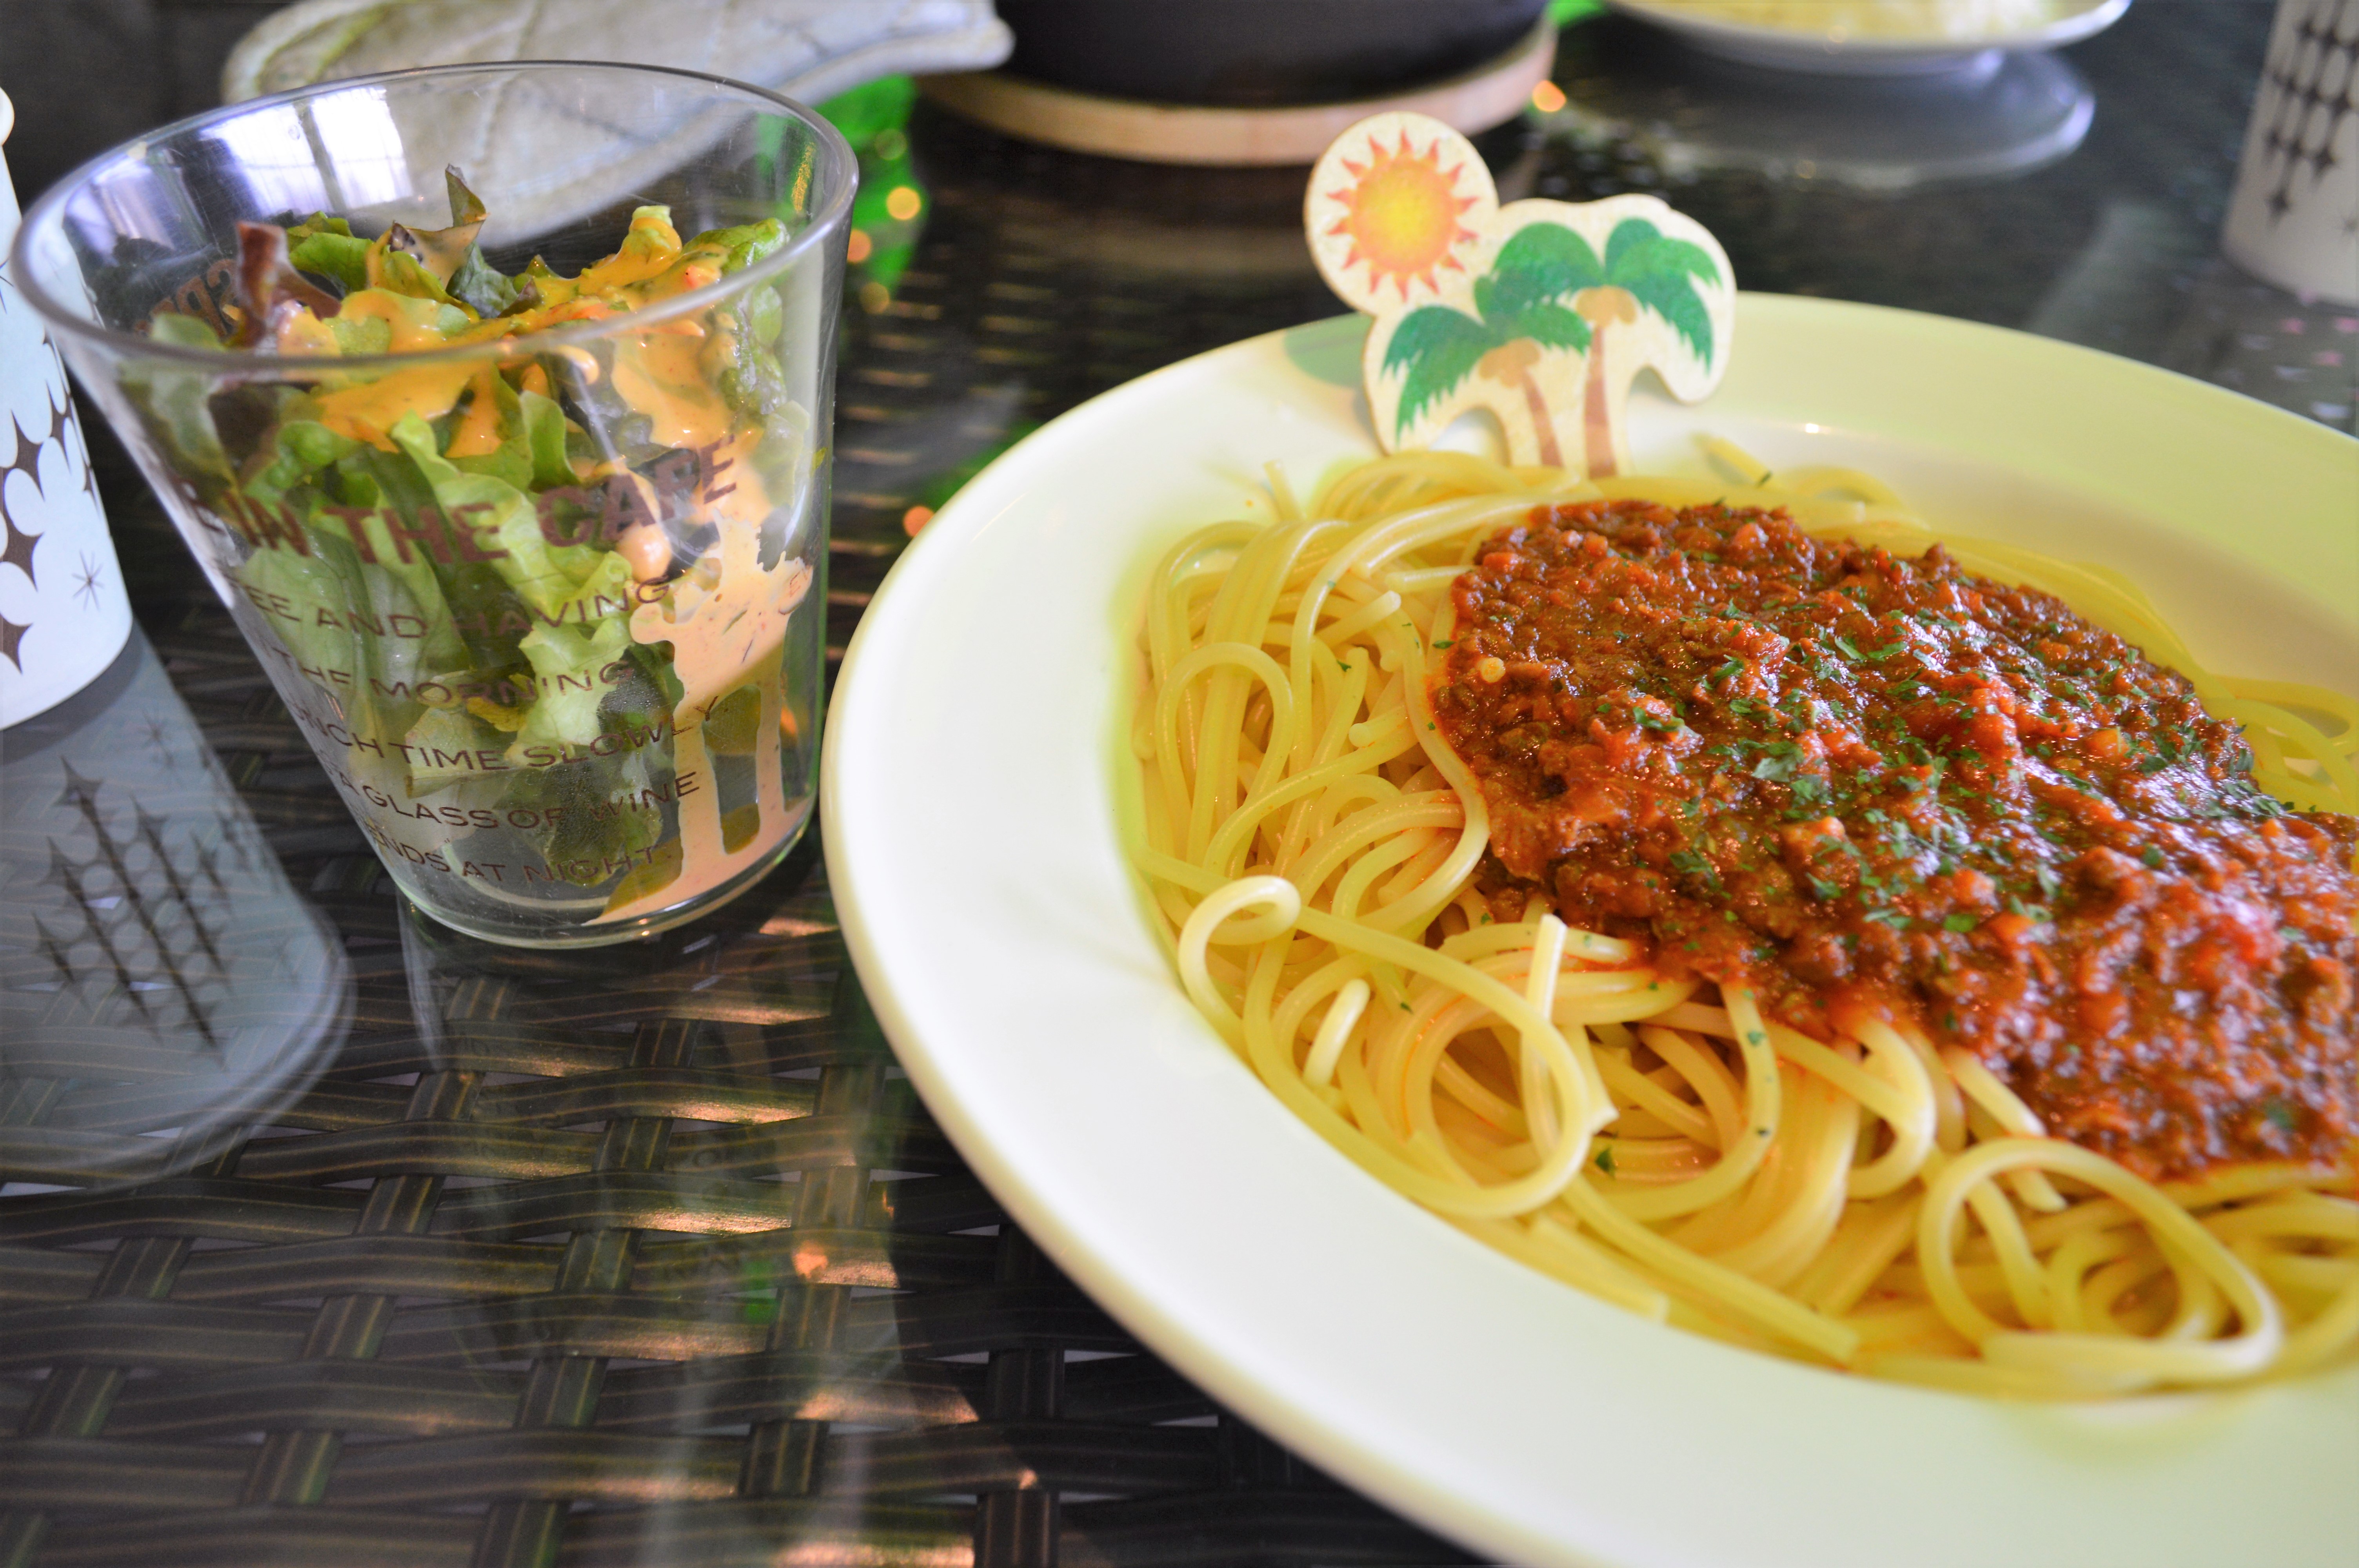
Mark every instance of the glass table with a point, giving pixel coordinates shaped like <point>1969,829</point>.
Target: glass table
<point>330,1236</point>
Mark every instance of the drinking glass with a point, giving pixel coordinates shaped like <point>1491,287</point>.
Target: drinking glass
<point>543,584</point>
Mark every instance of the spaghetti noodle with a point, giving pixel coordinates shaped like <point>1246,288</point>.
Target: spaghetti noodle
<point>1849,1194</point>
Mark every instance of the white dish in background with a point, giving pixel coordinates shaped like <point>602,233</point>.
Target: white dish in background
<point>974,779</point>
<point>1892,48</point>
<point>1884,133</point>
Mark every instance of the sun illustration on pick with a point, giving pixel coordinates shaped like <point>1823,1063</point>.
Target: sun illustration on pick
<point>1400,215</point>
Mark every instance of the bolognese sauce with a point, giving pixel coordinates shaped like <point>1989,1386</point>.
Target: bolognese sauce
<point>1864,784</point>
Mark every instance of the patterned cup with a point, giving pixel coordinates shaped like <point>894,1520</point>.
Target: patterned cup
<point>63,615</point>
<point>2294,218</point>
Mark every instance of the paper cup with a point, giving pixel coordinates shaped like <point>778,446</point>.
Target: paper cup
<point>63,615</point>
<point>2294,218</point>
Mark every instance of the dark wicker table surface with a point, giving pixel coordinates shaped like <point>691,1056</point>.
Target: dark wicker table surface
<point>652,1256</point>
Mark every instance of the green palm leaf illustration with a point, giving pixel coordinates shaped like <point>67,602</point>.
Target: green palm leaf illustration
<point>1660,274</point>
<point>1439,348</point>
<point>1540,261</point>
<point>1551,326</point>
<point>1521,297</point>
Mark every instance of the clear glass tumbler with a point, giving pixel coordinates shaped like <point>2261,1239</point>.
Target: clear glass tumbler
<point>495,401</point>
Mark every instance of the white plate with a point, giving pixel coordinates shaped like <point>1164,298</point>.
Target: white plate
<point>973,767</point>
<point>1899,53</point>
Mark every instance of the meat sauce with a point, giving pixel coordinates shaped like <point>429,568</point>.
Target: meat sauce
<point>1863,783</point>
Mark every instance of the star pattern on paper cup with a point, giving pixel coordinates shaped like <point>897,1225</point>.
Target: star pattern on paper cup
<point>2310,87</point>
<point>15,543</point>
<point>61,604</point>
<point>89,574</point>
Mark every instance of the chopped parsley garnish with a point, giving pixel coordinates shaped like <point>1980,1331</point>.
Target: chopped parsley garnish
<point>1779,760</point>
<point>1688,863</point>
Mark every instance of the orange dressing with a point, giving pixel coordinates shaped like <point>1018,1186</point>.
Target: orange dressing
<point>478,434</point>
<point>646,251</point>
<point>304,333</point>
<point>718,636</point>
<point>659,375</point>
<point>366,411</point>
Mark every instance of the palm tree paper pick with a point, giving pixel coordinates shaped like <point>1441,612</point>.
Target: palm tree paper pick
<point>1540,311</point>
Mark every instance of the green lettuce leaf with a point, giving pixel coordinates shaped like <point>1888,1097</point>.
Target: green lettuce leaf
<point>446,731</point>
<point>482,288</point>
<point>567,661</point>
<point>302,478</point>
<point>336,598</point>
<point>310,580</point>
<point>545,437</point>
<point>178,402</point>
<point>590,826</point>
<point>398,272</point>
<point>562,582</point>
<point>361,335</point>
<point>340,257</point>
<point>739,247</point>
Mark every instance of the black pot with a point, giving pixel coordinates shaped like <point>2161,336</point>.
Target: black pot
<point>1258,53</point>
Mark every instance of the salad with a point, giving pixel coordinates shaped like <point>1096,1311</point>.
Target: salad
<point>536,595</point>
